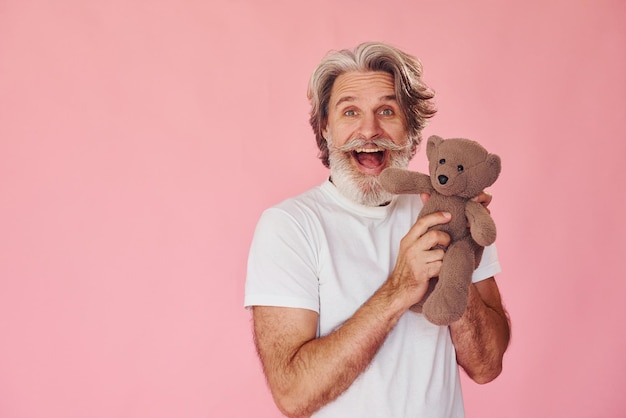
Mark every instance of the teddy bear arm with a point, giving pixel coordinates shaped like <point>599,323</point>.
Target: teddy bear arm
<point>402,181</point>
<point>482,226</point>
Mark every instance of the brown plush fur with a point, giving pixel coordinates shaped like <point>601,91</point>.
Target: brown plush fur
<point>460,169</point>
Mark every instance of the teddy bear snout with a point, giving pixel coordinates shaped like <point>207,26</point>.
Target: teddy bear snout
<point>442,179</point>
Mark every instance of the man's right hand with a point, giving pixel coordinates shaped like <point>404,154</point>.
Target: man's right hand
<point>419,259</point>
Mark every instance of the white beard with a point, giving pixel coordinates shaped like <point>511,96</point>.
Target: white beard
<point>359,187</point>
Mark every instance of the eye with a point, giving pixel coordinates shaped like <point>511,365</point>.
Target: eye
<point>386,112</point>
<point>460,168</point>
<point>442,161</point>
<point>349,112</point>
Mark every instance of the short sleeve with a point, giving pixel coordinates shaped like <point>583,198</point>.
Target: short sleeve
<point>489,265</point>
<point>282,264</point>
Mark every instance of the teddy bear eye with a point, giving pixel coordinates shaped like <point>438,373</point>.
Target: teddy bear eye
<point>460,168</point>
<point>442,161</point>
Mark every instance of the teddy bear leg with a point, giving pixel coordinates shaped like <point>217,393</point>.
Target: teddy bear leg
<point>448,300</point>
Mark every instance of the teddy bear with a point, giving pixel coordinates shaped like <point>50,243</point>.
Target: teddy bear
<point>460,169</point>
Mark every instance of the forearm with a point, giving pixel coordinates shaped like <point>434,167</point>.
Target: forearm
<point>323,368</point>
<point>481,337</point>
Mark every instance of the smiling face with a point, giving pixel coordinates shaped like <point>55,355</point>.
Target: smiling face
<point>366,133</point>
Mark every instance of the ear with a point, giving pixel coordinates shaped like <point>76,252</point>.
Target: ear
<point>431,147</point>
<point>492,169</point>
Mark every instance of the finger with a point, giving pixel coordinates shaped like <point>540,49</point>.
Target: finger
<point>484,198</point>
<point>420,227</point>
<point>434,256</point>
<point>433,269</point>
<point>424,197</point>
<point>433,240</point>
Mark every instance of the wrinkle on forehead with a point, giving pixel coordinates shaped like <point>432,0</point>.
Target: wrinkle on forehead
<point>382,99</point>
<point>371,86</point>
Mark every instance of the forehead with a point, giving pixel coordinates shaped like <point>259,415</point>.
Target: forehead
<point>354,86</point>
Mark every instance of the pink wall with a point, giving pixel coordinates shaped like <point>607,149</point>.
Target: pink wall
<point>139,142</point>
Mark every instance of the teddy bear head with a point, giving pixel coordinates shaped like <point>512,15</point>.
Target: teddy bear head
<point>460,167</point>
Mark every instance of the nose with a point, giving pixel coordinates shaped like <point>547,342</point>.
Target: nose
<point>442,179</point>
<point>370,127</point>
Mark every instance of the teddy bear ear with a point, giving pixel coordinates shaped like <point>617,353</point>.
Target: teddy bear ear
<point>494,164</point>
<point>433,143</point>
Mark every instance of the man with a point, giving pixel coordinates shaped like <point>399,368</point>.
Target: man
<point>333,272</point>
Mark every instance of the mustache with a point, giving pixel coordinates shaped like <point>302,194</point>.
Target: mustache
<point>383,143</point>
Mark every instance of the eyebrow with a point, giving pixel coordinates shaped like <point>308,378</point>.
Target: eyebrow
<point>387,98</point>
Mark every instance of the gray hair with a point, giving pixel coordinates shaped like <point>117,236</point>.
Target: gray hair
<point>413,95</point>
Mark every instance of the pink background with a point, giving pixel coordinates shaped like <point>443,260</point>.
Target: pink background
<point>140,141</point>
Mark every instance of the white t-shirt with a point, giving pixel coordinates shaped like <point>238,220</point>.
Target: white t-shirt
<point>323,252</point>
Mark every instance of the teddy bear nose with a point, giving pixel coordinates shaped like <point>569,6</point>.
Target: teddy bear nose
<point>442,179</point>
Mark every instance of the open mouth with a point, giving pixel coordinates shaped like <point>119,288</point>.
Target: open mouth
<point>369,159</point>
